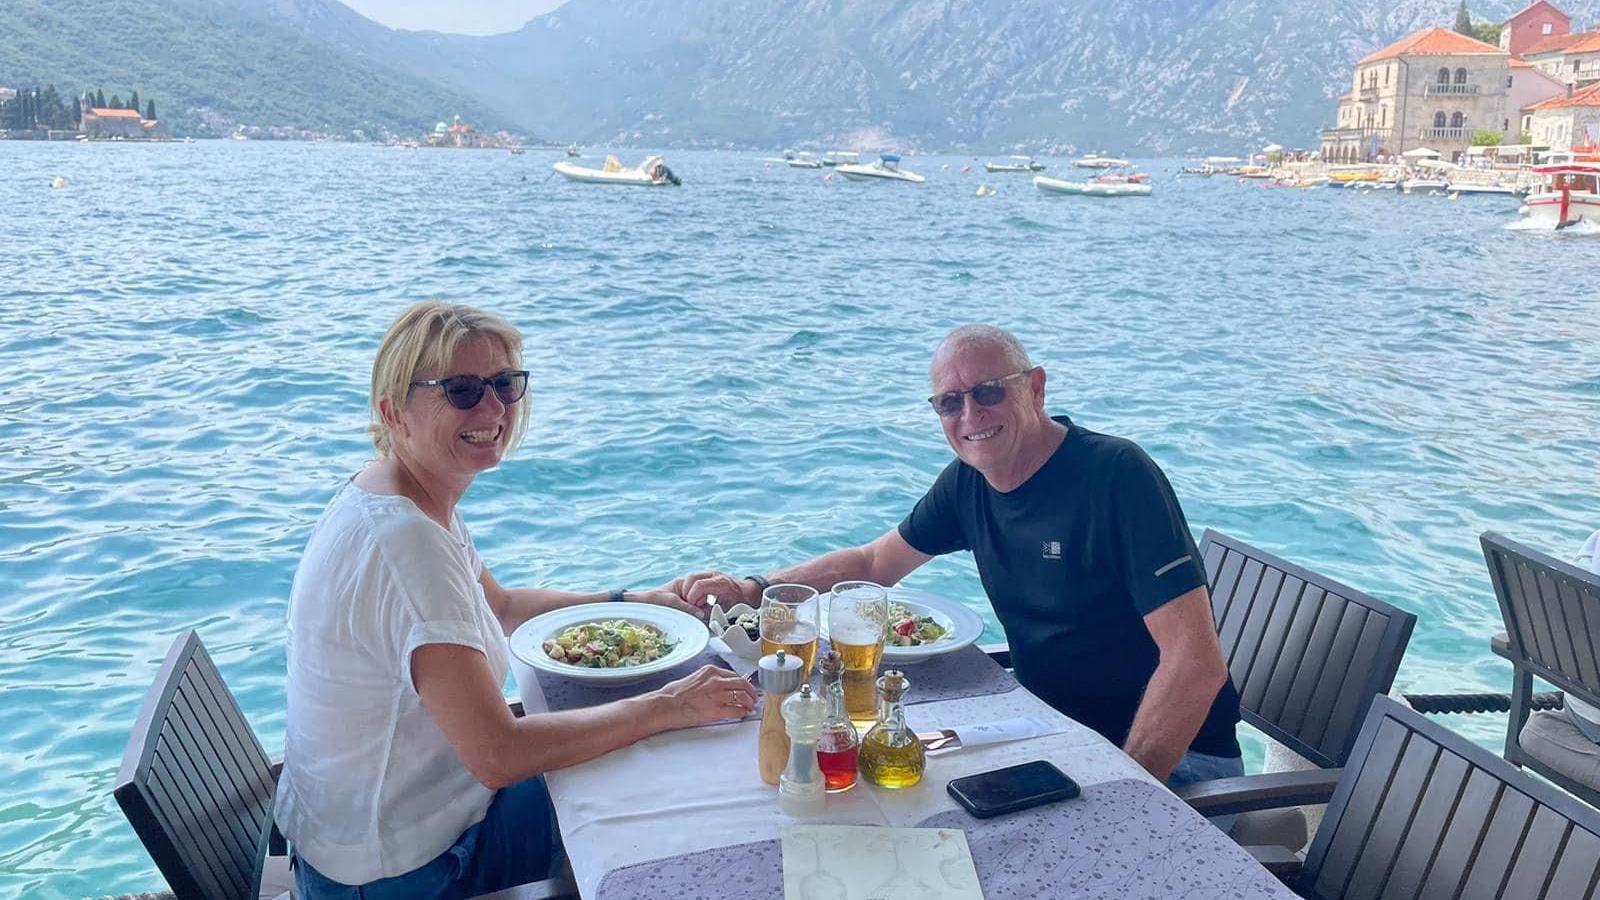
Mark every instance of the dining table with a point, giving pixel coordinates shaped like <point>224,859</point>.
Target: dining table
<point>685,814</point>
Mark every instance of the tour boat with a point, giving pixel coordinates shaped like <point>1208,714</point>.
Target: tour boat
<point>650,173</point>
<point>839,157</point>
<point>1092,188</point>
<point>1022,164</point>
<point>887,168</point>
<point>1571,195</point>
<point>1425,186</point>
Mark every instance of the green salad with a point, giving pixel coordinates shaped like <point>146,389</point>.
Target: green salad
<point>609,644</point>
<point>911,629</point>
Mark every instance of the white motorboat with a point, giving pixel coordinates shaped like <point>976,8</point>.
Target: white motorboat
<point>572,151</point>
<point>1021,164</point>
<point>1092,188</point>
<point>1099,162</point>
<point>887,168</point>
<point>803,161</point>
<point>1425,186</point>
<point>1465,188</point>
<point>650,173</point>
<point>1571,195</point>
<point>839,157</point>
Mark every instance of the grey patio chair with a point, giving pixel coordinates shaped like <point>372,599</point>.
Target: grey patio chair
<point>1307,655</point>
<point>1552,616</point>
<point>1420,812</point>
<point>198,789</point>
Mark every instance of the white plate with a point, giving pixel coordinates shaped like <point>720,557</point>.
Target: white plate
<point>962,625</point>
<point>689,634</point>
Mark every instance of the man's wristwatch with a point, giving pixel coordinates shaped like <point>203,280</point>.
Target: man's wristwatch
<point>761,584</point>
<point>618,595</point>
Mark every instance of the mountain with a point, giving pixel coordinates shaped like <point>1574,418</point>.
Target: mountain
<point>212,64</point>
<point>1156,76</point>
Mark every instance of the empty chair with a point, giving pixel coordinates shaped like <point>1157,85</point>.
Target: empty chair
<point>1552,616</point>
<point>197,787</point>
<point>1307,655</point>
<point>1421,812</point>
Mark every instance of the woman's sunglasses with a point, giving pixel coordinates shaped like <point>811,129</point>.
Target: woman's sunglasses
<point>466,391</point>
<point>986,393</point>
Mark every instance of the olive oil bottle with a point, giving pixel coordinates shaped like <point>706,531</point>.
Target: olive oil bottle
<point>890,755</point>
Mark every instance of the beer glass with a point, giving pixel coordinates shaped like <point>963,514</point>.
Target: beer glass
<point>789,614</point>
<point>858,614</point>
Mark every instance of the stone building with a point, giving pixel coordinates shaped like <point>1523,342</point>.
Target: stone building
<point>1569,121</point>
<point>1570,58</point>
<point>1537,22</point>
<point>1430,89</point>
<point>110,123</point>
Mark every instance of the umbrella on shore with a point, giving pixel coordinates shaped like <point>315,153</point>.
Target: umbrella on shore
<point>1421,153</point>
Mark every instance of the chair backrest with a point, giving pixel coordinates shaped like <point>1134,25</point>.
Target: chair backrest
<point>1421,812</point>
<point>1552,614</point>
<point>195,783</point>
<point>1307,654</point>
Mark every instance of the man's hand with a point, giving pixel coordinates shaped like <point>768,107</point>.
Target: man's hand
<point>700,588</point>
<point>709,695</point>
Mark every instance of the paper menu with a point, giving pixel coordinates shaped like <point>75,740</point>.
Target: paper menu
<point>856,862</point>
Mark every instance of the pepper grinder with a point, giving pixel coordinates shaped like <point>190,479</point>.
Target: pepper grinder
<point>781,675</point>
<point>801,789</point>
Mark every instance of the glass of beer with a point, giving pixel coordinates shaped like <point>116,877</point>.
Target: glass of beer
<point>858,613</point>
<point>789,622</point>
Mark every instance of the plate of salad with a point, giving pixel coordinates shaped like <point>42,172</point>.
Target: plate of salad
<point>923,625</point>
<point>608,643</point>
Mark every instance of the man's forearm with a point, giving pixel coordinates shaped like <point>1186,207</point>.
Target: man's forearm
<point>823,572</point>
<point>1175,705</point>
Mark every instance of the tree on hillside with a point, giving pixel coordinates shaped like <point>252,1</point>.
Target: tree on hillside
<point>116,102</point>
<point>100,99</point>
<point>76,111</point>
<point>133,101</point>
<point>150,110</point>
<point>1463,20</point>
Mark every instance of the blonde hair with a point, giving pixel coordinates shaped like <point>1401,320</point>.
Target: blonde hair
<point>425,339</point>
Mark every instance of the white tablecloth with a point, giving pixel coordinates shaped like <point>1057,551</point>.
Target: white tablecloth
<point>698,789</point>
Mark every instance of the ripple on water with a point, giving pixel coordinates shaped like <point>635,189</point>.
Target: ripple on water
<point>729,374</point>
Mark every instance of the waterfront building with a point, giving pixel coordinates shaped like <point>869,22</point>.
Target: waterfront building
<point>1529,86</point>
<point>1430,89</point>
<point>1537,22</point>
<point>110,123</point>
<point>1567,121</point>
<point>7,94</point>
<point>1570,58</point>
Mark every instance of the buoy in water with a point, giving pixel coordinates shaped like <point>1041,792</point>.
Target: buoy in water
<point>59,183</point>
<point>1456,196</point>
<point>965,169</point>
<point>985,191</point>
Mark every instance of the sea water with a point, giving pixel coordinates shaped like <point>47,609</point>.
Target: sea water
<point>731,373</point>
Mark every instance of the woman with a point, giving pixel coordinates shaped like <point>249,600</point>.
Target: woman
<point>404,773</point>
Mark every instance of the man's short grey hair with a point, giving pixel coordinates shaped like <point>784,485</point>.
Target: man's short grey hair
<point>987,335</point>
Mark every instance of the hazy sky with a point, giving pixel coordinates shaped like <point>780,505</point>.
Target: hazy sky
<point>460,17</point>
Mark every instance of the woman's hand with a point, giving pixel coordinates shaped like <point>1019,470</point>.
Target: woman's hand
<point>664,596</point>
<point>709,695</point>
<point>704,588</point>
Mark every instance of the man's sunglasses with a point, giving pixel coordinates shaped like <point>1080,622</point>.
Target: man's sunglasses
<point>466,391</point>
<point>985,393</point>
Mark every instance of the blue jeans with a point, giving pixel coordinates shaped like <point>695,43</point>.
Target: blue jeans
<point>517,842</point>
<point>1202,767</point>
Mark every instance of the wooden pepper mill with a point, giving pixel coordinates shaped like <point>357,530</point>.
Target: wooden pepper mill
<point>781,675</point>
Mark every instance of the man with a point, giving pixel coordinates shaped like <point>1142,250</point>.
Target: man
<point>1083,551</point>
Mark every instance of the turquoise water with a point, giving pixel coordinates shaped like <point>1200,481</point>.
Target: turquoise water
<point>729,373</point>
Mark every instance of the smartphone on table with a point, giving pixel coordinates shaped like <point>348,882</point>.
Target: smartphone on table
<point>1012,788</point>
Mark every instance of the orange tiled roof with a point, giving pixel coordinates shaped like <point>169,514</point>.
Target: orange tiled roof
<point>1565,43</point>
<point>1531,7</point>
<point>1589,96</point>
<point>1431,42</point>
<point>114,113</point>
<point>1517,63</point>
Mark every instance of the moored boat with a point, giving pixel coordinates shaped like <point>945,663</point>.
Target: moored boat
<point>650,173</point>
<point>1021,164</point>
<point>1424,186</point>
<point>1095,161</point>
<point>887,168</point>
<point>1096,188</point>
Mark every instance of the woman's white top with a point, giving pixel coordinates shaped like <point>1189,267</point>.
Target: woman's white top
<point>371,787</point>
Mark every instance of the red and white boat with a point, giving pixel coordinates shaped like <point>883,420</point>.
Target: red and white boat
<point>1571,195</point>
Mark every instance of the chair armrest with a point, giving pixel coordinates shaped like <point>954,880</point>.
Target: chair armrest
<point>1228,796</point>
<point>1500,645</point>
<point>1283,863</point>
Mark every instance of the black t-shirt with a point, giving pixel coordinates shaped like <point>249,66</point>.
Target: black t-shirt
<point>1072,560</point>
